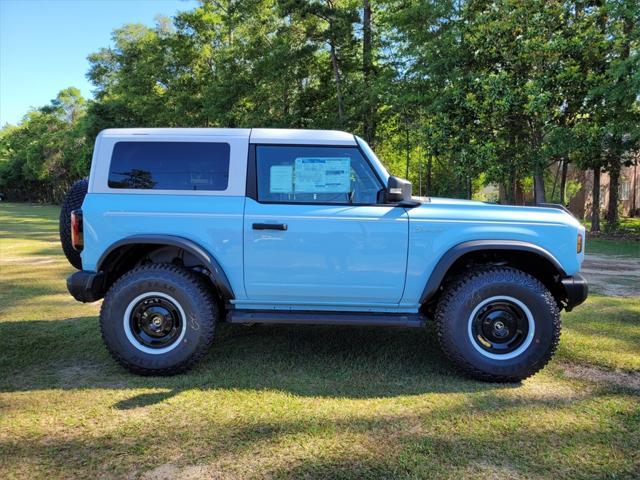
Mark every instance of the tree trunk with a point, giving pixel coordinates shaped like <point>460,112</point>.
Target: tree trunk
<point>538,186</point>
<point>563,181</point>
<point>514,190</point>
<point>406,130</point>
<point>539,195</point>
<point>502,194</point>
<point>420,176</point>
<point>614,182</point>
<point>336,74</point>
<point>632,213</point>
<point>555,181</point>
<point>595,207</point>
<point>368,121</point>
<point>285,103</point>
<point>428,180</point>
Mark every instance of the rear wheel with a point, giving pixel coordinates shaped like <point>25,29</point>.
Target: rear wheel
<point>498,324</point>
<point>158,319</point>
<point>72,201</point>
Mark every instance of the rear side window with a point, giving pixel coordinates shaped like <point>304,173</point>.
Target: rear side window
<point>170,166</point>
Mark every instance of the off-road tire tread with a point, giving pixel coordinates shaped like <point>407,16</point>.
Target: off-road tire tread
<point>198,290</point>
<point>510,275</point>
<point>72,201</point>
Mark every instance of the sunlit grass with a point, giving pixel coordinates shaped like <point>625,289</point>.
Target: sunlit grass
<point>604,246</point>
<point>604,332</point>
<point>297,402</point>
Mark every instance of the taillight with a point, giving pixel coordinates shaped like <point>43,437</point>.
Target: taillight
<point>77,234</point>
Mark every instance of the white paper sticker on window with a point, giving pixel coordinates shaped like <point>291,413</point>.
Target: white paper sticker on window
<point>281,179</point>
<point>323,175</point>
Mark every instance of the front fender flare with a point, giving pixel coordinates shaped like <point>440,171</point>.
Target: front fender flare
<point>457,251</point>
<point>216,273</point>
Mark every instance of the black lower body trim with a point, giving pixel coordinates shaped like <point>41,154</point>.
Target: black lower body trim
<point>326,318</point>
<point>86,286</point>
<point>576,289</point>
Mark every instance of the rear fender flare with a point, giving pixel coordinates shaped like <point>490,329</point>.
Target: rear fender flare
<point>216,273</point>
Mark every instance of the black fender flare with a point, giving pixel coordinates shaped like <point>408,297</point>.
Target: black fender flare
<point>457,251</point>
<point>216,273</point>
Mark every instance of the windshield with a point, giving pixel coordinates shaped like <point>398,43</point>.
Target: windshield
<point>377,164</point>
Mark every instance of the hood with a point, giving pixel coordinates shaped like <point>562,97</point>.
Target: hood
<point>472,210</point>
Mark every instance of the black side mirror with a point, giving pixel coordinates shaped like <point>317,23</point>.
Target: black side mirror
<point>399,191</point>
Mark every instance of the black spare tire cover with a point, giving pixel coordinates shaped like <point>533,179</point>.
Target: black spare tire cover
<point>72,201</point>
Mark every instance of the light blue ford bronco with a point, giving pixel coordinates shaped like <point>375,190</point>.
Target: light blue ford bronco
<point>180,229</point>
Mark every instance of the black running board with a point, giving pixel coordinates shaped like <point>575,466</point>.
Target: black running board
<point>326,318</point>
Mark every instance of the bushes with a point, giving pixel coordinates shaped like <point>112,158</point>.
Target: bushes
<point>47,152</point>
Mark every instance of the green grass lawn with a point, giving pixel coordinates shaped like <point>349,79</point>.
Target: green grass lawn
<point>626,225</point>
<point>627,245</point>
<point>297,402</point>
<point>605,246</point>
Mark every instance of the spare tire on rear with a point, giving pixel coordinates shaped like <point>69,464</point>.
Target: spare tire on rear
<point>72,201</point>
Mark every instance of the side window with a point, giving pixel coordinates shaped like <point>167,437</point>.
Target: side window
<point>170,165</point>
<point>299,174</point>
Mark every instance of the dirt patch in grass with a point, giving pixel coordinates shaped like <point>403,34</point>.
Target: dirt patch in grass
<point>613,275</point>
<point>170,471</point>
<point>486,470</point>
<point>617,378</point>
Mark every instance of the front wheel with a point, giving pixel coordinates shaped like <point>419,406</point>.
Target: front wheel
<point>158,319</point>
<point>498,324</point>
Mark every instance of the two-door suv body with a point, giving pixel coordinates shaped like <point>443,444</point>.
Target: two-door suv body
<point>180,229</point>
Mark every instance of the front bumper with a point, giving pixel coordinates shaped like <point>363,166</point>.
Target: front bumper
<point>86,286</point>
<point>576,289</point>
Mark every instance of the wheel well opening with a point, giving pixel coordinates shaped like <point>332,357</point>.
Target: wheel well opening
<point>530,262</point>
<point>127,257</point>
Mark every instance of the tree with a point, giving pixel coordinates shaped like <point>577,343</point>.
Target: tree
<point>43,155</point>
<point>619,96</point>
<point>608,125</point>
<point>454,94</point>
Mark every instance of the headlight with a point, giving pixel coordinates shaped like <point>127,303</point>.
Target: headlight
<point>579,244</point>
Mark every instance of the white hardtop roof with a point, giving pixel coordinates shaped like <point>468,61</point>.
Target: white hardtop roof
<point>256,135</point>
<point>309,137</point>
<point>177,132</point>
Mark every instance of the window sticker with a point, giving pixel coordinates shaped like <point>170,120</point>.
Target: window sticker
<point>199,179</point>
<point>281,179</point>
<point>322,175</point>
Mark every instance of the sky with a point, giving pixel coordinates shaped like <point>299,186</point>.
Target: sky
<point>44,44</point>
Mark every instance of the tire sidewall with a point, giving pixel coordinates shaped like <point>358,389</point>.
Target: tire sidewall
<point>508,284</point>
<point>113,318</point>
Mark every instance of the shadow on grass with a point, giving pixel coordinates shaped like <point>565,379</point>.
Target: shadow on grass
<point>350,362</point>
<point>144,400</point>
<point>31,222</point>
<point>26,281</point>
<point>403,445</point>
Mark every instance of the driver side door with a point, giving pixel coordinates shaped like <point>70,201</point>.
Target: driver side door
<point>316,234</point>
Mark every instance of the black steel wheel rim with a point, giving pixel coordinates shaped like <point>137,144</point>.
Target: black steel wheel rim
<point>500,327</point>
<point>155,322</point>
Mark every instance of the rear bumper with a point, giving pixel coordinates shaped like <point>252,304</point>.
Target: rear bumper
<point>86,286</point>
<point>576,289</point>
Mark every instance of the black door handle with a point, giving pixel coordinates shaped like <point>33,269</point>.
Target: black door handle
<point>269,226</point>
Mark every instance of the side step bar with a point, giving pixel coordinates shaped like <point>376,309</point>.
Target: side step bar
<point>326,318</point>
